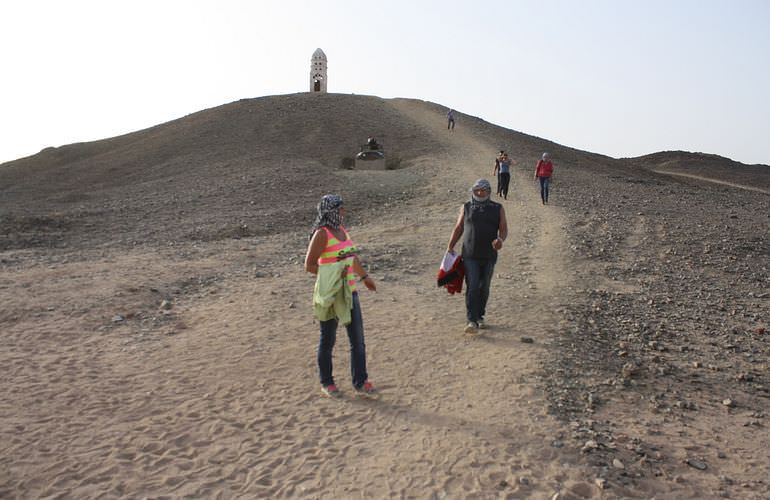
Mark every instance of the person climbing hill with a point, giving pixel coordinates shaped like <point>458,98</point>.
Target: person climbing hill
<point>544,173</point>
<point>504,175</point>
<point>496,170</point>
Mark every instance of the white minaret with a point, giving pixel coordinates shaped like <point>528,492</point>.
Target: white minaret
<point>318,71</point>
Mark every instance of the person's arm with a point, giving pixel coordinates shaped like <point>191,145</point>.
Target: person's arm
<point>502,231</point>
<point>497,167</point>
<point>314,250</point>
<point>537,167</point>
<point>456,232</point>
<point>361,272</point>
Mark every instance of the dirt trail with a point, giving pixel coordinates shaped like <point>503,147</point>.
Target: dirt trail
<point>715,181</point>
<point>491,379</point>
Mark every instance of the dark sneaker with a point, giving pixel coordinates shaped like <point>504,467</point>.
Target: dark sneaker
<point>330,391</point>
<point>481,324</point>
<point>367,389</point>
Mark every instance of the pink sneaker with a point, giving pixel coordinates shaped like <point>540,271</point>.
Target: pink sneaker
<point>367,389</point>
<point>330,391</point>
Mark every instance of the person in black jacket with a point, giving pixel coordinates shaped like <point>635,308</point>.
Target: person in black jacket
<point>482,225</point>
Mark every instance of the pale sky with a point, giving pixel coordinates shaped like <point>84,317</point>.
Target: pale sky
<point>617,77</point>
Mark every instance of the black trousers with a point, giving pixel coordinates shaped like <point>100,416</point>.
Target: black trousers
<point>504,179</point>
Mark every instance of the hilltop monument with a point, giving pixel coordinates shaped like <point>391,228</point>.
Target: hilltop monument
<point>318,71</point>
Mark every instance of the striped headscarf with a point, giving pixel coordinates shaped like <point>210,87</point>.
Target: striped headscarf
<point>328,212</point>
<point>481,184</point>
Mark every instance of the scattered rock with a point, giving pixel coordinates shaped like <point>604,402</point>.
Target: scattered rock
<point>698,464</point>
<point>618,464</point>
<point>628,370</point>
<point>589,446</point>
<point>527,340</point>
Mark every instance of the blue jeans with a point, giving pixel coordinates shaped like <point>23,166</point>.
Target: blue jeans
<point>544,182</point>
<point>357,347</point>
<point>478,277</point>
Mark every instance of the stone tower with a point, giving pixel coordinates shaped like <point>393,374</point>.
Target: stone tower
<point>318,71</point>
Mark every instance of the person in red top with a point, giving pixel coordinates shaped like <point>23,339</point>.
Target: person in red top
<point>544,173</point>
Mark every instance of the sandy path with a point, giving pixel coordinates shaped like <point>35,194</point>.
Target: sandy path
<point>715,181</point>
<point>219,398</point>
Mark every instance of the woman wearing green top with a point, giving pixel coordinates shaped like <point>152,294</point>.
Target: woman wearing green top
<point>331,256</point>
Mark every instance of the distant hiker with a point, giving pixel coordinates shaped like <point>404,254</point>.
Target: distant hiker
<point>504,174</point>
<point>544,172</point>
<point>482,225</point>
<point>372,144</point>
<point>496,170</point>
<point>331,256</point>
<point>450,120</point>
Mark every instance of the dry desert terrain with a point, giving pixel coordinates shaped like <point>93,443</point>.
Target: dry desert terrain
<point>157,338</point>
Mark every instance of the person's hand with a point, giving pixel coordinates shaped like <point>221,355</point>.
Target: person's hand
<point>497,244</point>
<point>369,283</point>
<point>450,250</point>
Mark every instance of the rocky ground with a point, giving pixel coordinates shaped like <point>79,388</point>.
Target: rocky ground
<point>676,327</point>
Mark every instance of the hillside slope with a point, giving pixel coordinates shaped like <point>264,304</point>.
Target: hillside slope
<point>241,169</point>
<point>204,176</point>
<point>706,167</point>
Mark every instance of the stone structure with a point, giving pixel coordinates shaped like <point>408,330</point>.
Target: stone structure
<point>318,71</point>
<point>371,156</point>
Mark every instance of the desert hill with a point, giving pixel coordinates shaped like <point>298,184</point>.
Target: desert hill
<point>157,339</point>
<point>706,167</point>
<point>245,159</point>
<point>251,158</point>
<point>210,174</point>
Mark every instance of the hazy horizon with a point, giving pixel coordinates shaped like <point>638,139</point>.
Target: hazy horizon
<point>622,80</point>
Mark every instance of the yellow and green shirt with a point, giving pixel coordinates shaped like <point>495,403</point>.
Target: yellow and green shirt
<point>336,279</point>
